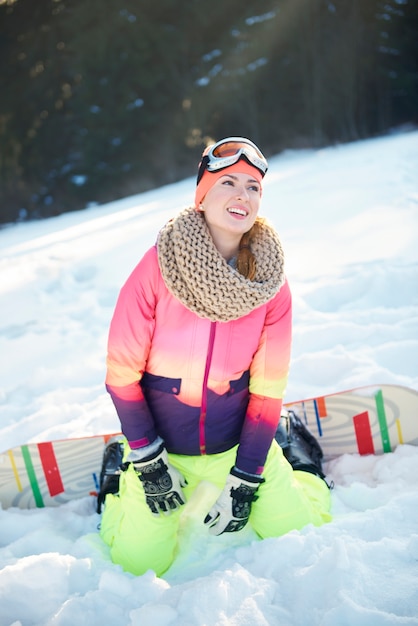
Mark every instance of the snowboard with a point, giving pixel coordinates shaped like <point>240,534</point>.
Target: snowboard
<point>366,420</point>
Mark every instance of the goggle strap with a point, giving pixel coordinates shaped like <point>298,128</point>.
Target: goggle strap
<point>202,167</point>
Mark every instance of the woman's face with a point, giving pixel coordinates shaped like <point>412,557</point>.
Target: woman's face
<point>231,207</point>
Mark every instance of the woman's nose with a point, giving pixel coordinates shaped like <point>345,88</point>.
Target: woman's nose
<point>242,192</point>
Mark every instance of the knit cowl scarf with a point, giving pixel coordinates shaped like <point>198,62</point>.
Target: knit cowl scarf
<point>197,274</point>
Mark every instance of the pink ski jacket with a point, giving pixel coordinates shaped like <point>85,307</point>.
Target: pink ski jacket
<point>202,386</point>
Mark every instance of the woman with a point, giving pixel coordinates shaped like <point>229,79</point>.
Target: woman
<point>198,359</point>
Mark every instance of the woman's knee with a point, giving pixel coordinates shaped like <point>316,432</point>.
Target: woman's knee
<point>288,500</point>
<point>138,547</point>
<point>138,540</point>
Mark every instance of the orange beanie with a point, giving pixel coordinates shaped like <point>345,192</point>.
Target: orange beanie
<point>209,178</point>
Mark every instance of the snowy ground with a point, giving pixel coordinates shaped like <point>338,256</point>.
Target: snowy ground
<point>348,219</point>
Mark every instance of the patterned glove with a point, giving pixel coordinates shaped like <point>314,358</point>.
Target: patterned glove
<point>162,483</point>
<point>232,509</point>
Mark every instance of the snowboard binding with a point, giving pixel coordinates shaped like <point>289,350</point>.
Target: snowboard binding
<point>111,470</point>
<point>299,446</point>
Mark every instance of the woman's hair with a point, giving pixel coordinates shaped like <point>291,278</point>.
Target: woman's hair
<point>246,261</point>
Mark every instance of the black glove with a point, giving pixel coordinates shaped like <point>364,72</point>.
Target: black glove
<point>232,509</point>
<point>162,483</point>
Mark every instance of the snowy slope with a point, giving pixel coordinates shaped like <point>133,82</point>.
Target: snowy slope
<point>348,219</point>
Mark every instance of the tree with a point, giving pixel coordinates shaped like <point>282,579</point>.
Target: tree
<point>104,99</point>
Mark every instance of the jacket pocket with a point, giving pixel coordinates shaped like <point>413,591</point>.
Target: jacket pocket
<point>240,384</point>
<point>161,383</point>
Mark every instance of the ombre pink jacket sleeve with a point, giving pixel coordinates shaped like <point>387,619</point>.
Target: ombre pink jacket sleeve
<point>269,373</point>
<point>129,342</point>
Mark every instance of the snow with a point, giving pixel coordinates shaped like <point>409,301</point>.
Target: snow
<point>348,219</point>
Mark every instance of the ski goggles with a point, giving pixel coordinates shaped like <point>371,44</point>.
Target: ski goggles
<point>228,151</point>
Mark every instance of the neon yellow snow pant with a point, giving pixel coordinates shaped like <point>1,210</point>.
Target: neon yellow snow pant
<point>139,541</point>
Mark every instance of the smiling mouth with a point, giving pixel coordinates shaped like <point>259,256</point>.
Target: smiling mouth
<point>236,211</point>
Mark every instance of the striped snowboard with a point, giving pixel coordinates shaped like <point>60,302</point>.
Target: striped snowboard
<point>368,420</point>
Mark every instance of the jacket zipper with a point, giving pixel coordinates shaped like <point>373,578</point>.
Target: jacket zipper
<point>203,410</point>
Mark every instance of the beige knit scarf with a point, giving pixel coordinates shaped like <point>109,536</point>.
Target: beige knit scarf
<point>197,274</point>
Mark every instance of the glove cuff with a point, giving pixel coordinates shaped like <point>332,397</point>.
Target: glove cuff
<point>147,453</point>
<point>249,478</point>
